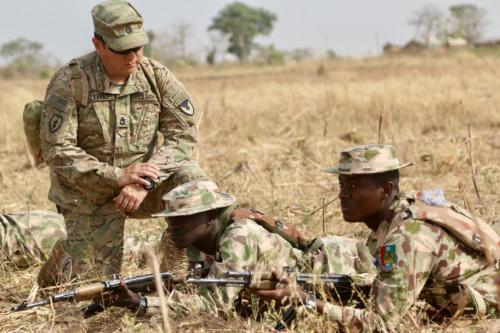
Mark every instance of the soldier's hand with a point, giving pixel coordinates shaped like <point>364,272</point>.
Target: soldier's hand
<point>288,293</point>
<point>130,198</point>
<point>133,173</point>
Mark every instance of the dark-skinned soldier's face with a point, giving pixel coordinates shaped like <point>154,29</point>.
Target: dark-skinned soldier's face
<point>186,230</point>
<point>360,197</point>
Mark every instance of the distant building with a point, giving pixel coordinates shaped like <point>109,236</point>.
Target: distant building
<point>413,46</point>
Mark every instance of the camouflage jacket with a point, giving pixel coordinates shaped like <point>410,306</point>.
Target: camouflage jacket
<point>91,128</point>
<point>416,259</point>
<point>28,237</point>
<point>245,245</point>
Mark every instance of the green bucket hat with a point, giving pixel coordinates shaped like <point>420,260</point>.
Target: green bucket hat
<point>367,159</point>
<point>194,197</point>
<point>119,24</point>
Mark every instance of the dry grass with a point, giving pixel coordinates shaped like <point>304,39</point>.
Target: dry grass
<point>266,133</point>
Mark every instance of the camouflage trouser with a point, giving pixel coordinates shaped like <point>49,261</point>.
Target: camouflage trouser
<point>94,244</point>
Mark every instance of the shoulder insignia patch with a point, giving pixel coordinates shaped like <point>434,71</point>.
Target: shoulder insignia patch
<point>187,107</point>
<point>55,122</point>
<point>57,102</point>
<point>388,260</point>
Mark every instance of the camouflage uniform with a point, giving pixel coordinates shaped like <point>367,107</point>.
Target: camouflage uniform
<point>28,237</point>
<point>245,245</point>
<point>416,256</point>
<point>91,128</point>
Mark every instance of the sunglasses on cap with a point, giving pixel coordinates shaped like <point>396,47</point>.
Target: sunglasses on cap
<point>124,52</point>
<point>127,51</point>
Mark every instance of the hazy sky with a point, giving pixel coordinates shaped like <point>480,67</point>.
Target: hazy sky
<point>349,27</point>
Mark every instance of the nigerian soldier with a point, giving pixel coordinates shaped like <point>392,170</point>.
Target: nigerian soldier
<point>212,227</point>
<point>424,247</point>
<point>103,115</point>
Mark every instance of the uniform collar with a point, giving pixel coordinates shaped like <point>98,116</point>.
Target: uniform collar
<point>376,238</point>
<point>137,82</point>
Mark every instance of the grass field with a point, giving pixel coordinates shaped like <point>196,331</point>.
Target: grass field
<point>264,135</point>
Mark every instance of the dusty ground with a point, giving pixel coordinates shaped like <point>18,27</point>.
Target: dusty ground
<point>266,132</point>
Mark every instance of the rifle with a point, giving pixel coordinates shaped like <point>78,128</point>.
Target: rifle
<point>340,287</point>
<point>342,283</point>
<point>89,291</point>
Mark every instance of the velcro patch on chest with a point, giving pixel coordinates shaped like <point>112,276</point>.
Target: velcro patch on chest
<point>97,96</point>
<point>142,96</point>
<point>187,107</point>
<point>388,258</point>
<point>122,121</point>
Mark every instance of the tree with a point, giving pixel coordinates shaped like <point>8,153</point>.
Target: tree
<point>243,23</point>
<point>429,22</point>
<point>219,44</point>
<point>24,57</point>
<point>468,21</point>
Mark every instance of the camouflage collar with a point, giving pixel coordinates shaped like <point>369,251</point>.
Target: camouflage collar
<point>137,82</point>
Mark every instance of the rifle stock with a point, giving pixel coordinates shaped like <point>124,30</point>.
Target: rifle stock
<point>89,291</point>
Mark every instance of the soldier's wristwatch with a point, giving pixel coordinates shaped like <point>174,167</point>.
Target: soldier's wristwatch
<point>151,186</point>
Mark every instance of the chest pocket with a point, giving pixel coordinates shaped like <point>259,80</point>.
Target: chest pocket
<point>144,116</point>
<point>93,124</point>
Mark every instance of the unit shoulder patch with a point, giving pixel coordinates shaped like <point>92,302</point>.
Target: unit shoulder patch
<point>388,258</point>
<point>187,107</point>
<point>55,122</point>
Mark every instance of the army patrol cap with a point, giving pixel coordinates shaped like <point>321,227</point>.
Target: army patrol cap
<point>194,197</point>
<point>119,24</point>
<point>367,159</point>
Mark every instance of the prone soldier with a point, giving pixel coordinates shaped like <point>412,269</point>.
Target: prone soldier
<point>424,247</point>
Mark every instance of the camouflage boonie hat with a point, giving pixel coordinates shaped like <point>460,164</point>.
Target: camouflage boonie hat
<point>119,24</point>
<point>194,197</point>
<point>367,159</point>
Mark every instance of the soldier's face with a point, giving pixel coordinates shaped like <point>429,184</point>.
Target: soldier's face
<point>186,230</point>
<point>360,197</point>
<point>118,64</point>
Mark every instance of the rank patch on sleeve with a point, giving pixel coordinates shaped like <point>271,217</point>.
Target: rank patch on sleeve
<point>388,260</point>
<point>57,102</point>
<point>187,107</point>
<point>55,122</point>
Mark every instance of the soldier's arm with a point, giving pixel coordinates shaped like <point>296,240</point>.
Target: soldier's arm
<point>394,292</point>
<point>177,122</point>
<point>59,124</point>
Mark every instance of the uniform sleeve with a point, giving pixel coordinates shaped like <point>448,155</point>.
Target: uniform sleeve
<point>177,123</point>
<point>73,167</point>
<point>394,291</point>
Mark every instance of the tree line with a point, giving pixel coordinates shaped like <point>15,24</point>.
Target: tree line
<point>234,31</point>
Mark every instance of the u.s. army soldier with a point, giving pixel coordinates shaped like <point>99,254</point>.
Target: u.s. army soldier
<point>424,247</point>
<point>103,116</point>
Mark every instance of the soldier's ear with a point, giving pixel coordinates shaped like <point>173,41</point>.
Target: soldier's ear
<point>97,44</point>
<point>388,189</point>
